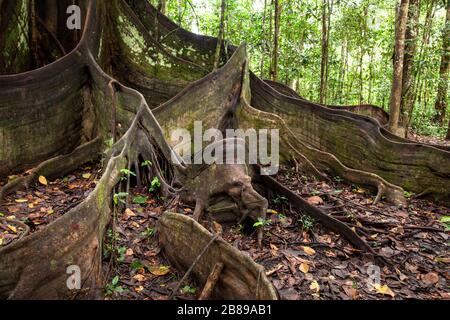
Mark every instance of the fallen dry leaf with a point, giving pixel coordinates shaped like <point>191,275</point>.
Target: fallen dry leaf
<point>314,286</point>
<point>159,270</point>
<point>86,175</point>
<point>139,277</point>
<point>385,290</point>
<point>129,252</point>
<point>315,200</point>
<point>21,200</point>
<point>12,228</point>
<point>309,251</point>
<point>304,267</point>
<point>43,180</point>
<point>430,278</point>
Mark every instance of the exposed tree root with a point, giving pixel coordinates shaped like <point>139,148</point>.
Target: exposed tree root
<point>328,221</point>
<point>241,277</point>
<point>35,266</point>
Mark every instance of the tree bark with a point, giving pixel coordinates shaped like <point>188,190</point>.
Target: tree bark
<point>324,61</point>
<point>407,101</point>
<point>396,91</point>
<point>441,100</point>
<point>275,53</point>
<point>221,34</point>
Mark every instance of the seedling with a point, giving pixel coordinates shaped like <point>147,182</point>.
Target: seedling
<point>113,287</point>
<point>188,290</point>
<point>146,163</point>
<point>148,233</point>
<point>136,265</point>
<point>155,185</point>
<point>121,253</point>
<point>280,200</point>
<point>126,174</point>
<point>119,197</point>
<point>261,223</point>
<point>445,220</point>
<point>140,200</point>
<point>307,223</point>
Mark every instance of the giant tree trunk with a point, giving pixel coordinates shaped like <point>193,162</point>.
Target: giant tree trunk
<point>442,95</point>
<point>397,78</point>
<point>56,117</point>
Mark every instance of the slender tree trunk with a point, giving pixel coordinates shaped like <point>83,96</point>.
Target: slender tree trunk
<point>407,101</point>
<point>274,68</point>
<point>421,68</point>
<point>396,91</point>
<point>324,62</point>
<point>221,34</point>
<point>263,41</point>
<point>361,58</point>
<point>441,99</point>
<point>162,6</point>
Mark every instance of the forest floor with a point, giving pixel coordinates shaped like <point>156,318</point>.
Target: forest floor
<point>428,139</point>
<point>302,258</point>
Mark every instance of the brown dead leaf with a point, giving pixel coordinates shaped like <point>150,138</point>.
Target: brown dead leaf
<point>139,277</point>
<point>308,250</point>
<point>129,252</point>
<point>159,270</point>
<point>43,180</point>
<point>304,267</point>
<point>430,278</point>
<point>315,200</point>
<point>385,290</point>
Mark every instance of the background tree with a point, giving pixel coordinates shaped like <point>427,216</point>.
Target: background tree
<point>408,64</point>
<point>396,91</point>
<point>276,36</point>
<point>442,94</point>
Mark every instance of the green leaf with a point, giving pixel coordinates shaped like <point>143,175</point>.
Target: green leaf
<point>140,200</point>
<point>188,289</point>
<point>115,280</point>
<point>136,264</point>
<point>445,219</point>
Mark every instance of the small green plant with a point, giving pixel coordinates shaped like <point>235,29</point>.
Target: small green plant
<point>315,193</point>
<point>261,223</point>
<point>154,185</point>
<point>146,163</point>
<point>126,174</point>
<point>136,265</point>
<point>307,223</point>
<point>338,179</point>
<point>112,236</point>
<point>188,290</point>
<point>113,287</point>
<point>280,200</point>
<point>121,253</point>
<point>408,194</point>
<point>2,214</point>
<point>109,143</point>
<point>281,216</point>
<point>119,197</point>
<point>148,233</point>
<point>140,200</point>
<point>445,220</point>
